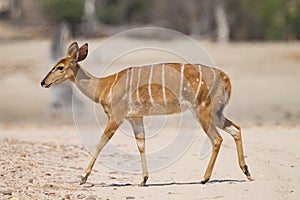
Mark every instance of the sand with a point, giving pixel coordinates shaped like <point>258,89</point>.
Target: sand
<point>45,163</point>
<point>42,157</point>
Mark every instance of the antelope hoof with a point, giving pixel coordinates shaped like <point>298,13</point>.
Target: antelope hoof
<point>250,178</point>
<point>246,171</point>
<point>143,183</point>
<point>84,179</point>
<point>204,181</point>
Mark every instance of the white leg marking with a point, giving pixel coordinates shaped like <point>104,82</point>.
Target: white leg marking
<point>137,86</point>
<point>149,85</point>
<point>232,130</point>
<point>163,83</point>
<point>181,82</point>
<point>200,82</point>
<point>141,145</point>
<point>112,86</point>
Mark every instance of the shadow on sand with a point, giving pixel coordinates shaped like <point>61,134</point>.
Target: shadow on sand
<point>230,181</point>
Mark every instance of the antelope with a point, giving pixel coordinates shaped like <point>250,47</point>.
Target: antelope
<point>158,89</point>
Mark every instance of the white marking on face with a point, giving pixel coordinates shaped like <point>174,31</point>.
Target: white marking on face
<point>181,82</point>
<point>203,104</point>
<point>163,83</point>
<point>138,85</point>
<point>200,82</point>
<point>111,88</point>
<point>149,86</point>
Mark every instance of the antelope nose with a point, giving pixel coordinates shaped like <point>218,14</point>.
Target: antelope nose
<point>42,83</point>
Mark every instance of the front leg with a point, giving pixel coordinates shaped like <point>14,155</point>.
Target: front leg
<point>139,132</point>
<point>109,131</point>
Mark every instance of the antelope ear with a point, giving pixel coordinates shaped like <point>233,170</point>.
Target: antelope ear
<point>73,50</point>
<point>83,52</point>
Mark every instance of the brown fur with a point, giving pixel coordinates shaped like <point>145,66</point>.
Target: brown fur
<point>158,89</point>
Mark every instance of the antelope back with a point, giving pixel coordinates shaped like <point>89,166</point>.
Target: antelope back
<point>164,88</point>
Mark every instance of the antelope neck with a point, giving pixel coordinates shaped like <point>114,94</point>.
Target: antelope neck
<point>86,82</point>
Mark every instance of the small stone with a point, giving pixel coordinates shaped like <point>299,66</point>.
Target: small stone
<point>67,197</point>
<point>130,197</point>
<point>48,193</point>
<point>80,196</point>
<point>92,197</point>
<point>7,191</point>
<point>23,155</point>
<point>30,180</point>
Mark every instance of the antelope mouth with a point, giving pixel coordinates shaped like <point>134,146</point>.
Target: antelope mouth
<point>44,85</point>
<point>47,86</point>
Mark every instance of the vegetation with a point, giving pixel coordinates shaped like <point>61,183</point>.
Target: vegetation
<point>248,19</point>
<point>116,12</point>
<point>69,11</point>
<point>270,19</point>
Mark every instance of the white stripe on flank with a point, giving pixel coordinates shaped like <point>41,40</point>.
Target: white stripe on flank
<point>200,82</point>
<point>181,83</point>
<point>149,85</point>
<point>111,88</point>
<point>163,83</point>
<point>213,83</point>
<point>137,86</point>
<point>126,86</point>
<point>130,86</point>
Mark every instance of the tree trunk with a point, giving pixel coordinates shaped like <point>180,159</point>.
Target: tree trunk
<point>61,97</point>
<point>89,19</point>
<point>221,22</point>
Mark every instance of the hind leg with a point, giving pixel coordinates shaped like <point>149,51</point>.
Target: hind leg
<point>216,140</point>
<point>235,131</point>
<point>210,129</point>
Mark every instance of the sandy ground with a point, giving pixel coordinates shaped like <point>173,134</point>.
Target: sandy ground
<point>45,163</point>
<point>42,157</point>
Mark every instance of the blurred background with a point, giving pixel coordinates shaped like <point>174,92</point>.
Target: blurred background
<point>254,41</point>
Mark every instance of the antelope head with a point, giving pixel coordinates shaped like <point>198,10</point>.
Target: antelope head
<point>64,69</point>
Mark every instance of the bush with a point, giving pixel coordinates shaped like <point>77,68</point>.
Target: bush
<point>121,12</point>
<point>268,19</point>
<point>69,11</point>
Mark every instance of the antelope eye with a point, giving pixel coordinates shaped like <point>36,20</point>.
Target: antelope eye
<point>60,68</point>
